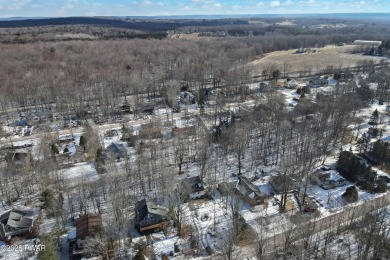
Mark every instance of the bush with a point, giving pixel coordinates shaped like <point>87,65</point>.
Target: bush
<point>176,248</point>
<point>47,198</point>
<point>141,248</point>
<point>50,251</point>
<point>351,194</point>
<point>381,187</point>
<point>54,149</point>
<point>83,141</point>
<point>306,90</point>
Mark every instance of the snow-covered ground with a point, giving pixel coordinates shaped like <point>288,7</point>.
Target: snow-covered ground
<point>211,219</point>
<point>80,172</point>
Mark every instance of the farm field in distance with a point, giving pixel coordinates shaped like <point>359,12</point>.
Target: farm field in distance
<point>314,58</point>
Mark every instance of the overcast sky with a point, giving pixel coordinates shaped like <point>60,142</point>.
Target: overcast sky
<point>54,8</point>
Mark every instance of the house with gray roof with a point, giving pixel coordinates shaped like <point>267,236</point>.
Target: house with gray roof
<point>116,150</point>
<point>194,187</point>
<point>317,82</point>
<point>149,216</point>
<point>14,222</point>
<point>36,118</point>
<point>249,191</point>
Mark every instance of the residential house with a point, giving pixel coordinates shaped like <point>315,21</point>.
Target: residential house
<point>194,187</point>
<point>125,107</point>
<point>310,205</point>
<point>318,82</point>
<point>149,216</point>
<point>226,118</point>
<point>63,160</point>
<point>68,159</point>
<point>342,77</point>
<point>186,98</point>
<point>14,222</point>
<point>86,226</point>
<point>21,122</point>
<point>327,179</point>
<point>148,110</point>
<point>283,183</point>
<point>185,131</point>
<point>292,84</point>
<point>36,118</point>
<point>367,43</point>
<point>56,116</point>
<point>371,47</point>
<point>263,87</point>
<point>116,150</point>
<point>249,192</point>
<point>18,157</point>
<point>148,131</point>
<point>226,188</point>
<point>65,139</point>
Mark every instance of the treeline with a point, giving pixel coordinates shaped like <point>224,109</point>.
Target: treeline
<point>74,75</point>
<point>307,27</point>
<point>135,24</point>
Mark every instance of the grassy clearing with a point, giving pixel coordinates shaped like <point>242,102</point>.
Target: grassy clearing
<point>316,59</point>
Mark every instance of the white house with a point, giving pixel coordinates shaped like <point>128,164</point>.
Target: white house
<point>327,179</point>
<point>195,187</point>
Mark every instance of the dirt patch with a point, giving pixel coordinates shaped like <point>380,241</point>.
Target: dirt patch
<point>286,23</point>
<point>186,36</point>
<point>290,205</point>
<point>315,59</point>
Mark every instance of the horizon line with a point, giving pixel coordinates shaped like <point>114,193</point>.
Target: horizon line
<point>189,15</point>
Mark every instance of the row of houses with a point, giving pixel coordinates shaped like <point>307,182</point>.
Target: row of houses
<point>35,118</point>
<point>150,216</point>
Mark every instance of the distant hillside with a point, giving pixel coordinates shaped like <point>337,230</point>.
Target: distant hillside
<point>135,24</point>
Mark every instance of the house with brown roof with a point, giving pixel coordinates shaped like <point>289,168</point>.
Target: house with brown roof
<point>185,131</point>
<point>150,131</point>
<point>18,157</point>
<point>86,226</point>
